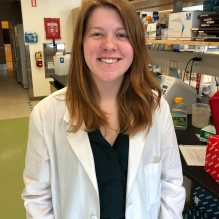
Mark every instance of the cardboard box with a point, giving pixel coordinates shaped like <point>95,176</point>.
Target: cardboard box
<point>207,132</point>
<point>211,158</point>
<point>180,25</point>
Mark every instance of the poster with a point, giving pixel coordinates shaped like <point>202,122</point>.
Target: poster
<point>52,28</point>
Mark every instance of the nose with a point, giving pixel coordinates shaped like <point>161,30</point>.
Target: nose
<point>109,44</point>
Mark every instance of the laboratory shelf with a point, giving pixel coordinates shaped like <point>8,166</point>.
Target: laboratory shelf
<point>183,42</point>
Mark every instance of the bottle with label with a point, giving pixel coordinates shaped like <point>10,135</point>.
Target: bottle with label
<point>158,28</point>
<point>148,20</point>
<point>143,21</point>
<point>179,114</point>
<point>155,14</point>
<point>164,21</point>
<point>152,26</point>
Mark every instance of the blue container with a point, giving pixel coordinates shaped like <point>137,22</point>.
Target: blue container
<point>205,202</point>
<point>195,213</point>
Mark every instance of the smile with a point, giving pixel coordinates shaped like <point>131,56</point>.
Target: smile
<point>109,61</point>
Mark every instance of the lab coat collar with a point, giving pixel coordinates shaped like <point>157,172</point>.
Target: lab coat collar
<point>67,116</point>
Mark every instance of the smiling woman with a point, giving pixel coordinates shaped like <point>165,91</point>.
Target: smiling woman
<point>105,147</point>
<point>110,51</point>
<point>107,50</point>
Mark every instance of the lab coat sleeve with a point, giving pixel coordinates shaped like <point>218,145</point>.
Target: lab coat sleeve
<point>172,192</point>
<point>37,191</point>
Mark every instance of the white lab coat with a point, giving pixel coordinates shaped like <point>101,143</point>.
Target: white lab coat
<point>60,179</point>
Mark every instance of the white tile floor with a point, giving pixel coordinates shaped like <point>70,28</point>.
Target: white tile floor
<point>14,99</point>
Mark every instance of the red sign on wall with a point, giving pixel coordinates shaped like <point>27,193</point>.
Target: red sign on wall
<point>33,3</point>
<point>52,28</point>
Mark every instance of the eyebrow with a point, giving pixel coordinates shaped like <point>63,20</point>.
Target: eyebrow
<point>100,28</point>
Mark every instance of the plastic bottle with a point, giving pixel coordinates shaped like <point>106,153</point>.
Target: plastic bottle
<point>164,21</point>
<point>143,21</point>
<point>155,14</point>
<point>179,114</point>
<point>158,28</point>
<point>148,20</point>
<point>152,26</point>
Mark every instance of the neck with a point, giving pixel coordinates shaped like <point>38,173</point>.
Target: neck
<point>108,92</point>
<point>108,99</point>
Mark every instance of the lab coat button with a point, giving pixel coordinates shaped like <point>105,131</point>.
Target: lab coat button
<point>93,217</point>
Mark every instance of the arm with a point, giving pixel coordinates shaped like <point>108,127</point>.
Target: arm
<point>37,192</point>
<point>172,192</point>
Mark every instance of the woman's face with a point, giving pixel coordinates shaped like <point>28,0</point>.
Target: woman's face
<point>107,50</point>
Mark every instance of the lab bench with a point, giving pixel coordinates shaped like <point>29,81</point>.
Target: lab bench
<point>59,82</point>
<point>187,137</point>
<point>196,174</point>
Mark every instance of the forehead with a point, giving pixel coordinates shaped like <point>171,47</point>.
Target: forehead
<point>104,14</point>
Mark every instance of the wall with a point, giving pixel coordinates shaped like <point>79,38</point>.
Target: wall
<point>10,11</point>
<point>33,21</point>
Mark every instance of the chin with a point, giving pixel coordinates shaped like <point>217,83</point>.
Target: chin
<point>112,77</point>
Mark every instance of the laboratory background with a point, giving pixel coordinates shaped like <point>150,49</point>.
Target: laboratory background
<point>182,37</point>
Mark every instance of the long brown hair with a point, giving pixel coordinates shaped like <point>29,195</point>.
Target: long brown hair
<point>136,98</point>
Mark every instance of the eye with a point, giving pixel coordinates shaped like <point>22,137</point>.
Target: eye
<point>96,34</point>
<point>122,35</point>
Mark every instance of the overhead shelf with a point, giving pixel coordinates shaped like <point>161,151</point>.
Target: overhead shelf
<point>183,42</point>
<point>160,5</point>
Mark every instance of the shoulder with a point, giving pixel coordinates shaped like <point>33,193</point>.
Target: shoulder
<point>52,103</point>
<point>163,105</point>
<point>162,112</point>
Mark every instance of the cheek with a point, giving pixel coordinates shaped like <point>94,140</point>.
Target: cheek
<point>90,48</point>
<point>130,53</point>
<point>88,51</point>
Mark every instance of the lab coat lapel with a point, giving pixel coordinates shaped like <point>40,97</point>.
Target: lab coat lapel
<point>136,147</point>
<point>80,144</point>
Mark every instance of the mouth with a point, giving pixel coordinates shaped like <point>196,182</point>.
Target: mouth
<point>109,61</point>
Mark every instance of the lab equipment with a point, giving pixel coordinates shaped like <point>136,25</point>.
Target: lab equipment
<point>200,115</point>
<point>49,50</point>
<point>174,87</point>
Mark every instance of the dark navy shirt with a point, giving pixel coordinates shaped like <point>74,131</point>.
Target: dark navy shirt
<point>111,164</point>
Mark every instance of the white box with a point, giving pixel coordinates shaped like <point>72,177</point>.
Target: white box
<point>180,25</point>
<point>61,64</point>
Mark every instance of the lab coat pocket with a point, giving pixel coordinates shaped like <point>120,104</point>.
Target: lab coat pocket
<point>153,181</point>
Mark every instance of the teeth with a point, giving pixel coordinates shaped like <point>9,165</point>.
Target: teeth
<point>109,61</point>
